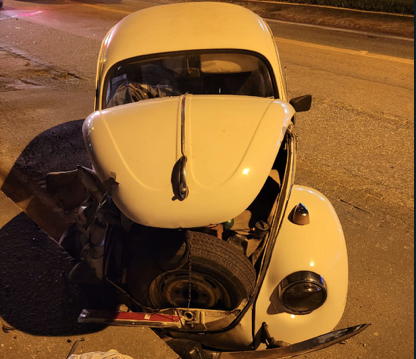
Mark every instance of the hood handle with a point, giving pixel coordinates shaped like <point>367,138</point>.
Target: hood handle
<point>183,188</point>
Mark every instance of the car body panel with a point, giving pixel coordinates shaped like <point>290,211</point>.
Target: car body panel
<point>181,27</point>
<point>230,144</point>
<point>319,247</point>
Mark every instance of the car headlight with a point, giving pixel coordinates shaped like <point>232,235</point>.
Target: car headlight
<point>302,292</point>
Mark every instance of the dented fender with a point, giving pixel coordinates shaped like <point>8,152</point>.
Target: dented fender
<point>307,346</point>
<point>317,247</point>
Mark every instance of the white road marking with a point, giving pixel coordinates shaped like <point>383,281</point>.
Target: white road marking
<point>345,51</point>
<point>341,30</point>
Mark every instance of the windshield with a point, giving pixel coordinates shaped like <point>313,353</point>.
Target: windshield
<point>225,73</point>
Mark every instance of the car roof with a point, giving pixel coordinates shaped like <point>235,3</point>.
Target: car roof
<point>187,26</point>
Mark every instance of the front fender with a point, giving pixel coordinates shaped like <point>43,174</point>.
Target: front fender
<point>319,247</point>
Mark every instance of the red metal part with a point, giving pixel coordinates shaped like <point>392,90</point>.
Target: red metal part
<point>130,318</point>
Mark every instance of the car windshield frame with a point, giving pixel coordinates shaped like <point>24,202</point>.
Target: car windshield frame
<point>270,85</point>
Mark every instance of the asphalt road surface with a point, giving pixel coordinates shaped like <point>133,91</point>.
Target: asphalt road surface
<point>355,146</point>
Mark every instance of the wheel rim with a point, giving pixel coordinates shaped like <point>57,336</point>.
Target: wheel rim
<point>172,289</point>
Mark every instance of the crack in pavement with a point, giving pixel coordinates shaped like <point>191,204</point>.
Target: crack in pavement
<point>354,206</point>
<point>24,70</point>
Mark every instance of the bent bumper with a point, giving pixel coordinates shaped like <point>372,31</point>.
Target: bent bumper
<point>307,346</point>
<point>173,321</point>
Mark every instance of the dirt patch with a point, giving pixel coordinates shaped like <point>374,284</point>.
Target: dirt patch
<point>22,73</point>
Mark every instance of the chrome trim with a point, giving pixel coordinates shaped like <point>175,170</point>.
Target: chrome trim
<point>183,125</point>
<point>300,215</point>
<point>298,278</point>
<point>307,346</point>
<point>183,189</point>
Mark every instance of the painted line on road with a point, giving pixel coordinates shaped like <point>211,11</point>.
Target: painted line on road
<point>346,51</point>
<point>364,33</point>
<point>103,8</point>
<point>18,13</point>
<point>329,7</point>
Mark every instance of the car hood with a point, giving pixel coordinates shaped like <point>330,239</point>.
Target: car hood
<point>230,143</point>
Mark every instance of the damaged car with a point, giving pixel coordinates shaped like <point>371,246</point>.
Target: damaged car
<point>191,212</point>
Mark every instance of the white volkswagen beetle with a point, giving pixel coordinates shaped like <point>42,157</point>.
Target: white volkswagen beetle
<point>192,213</point>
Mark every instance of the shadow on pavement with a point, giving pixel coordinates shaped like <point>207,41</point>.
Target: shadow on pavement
<point>60,148</point>
<point>36,296</point>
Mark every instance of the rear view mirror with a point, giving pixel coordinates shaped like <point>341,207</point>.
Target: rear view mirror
<point>301,103</point>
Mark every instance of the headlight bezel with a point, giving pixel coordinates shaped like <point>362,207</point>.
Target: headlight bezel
<point>314,280</point>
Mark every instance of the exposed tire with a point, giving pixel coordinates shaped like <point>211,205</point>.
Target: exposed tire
<point>220,276</point>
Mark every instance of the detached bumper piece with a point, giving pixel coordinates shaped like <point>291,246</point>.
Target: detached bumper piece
<point>307,346</point>
<point>130,319</point>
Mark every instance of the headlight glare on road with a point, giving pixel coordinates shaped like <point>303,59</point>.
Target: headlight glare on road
<point>302,292</point>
